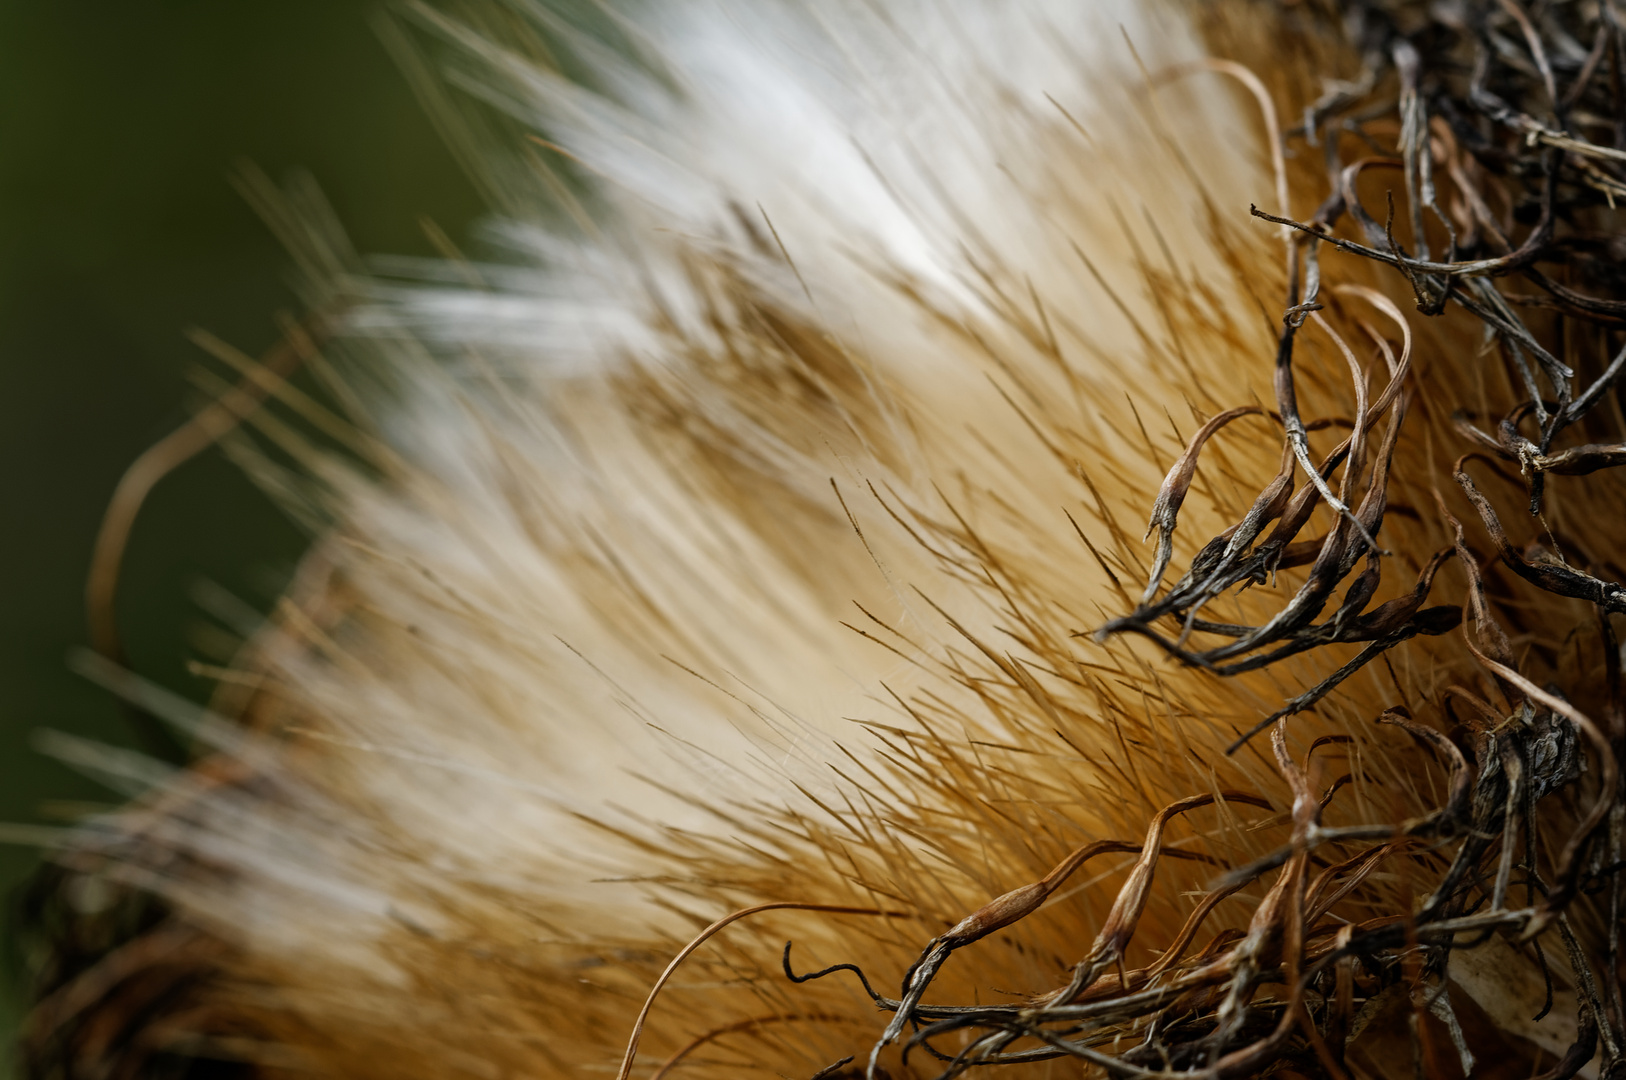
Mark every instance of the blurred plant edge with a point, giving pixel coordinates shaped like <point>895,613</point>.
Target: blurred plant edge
<point>103,962</point>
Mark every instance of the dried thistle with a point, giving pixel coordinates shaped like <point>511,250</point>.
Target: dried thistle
<point>657,552</point>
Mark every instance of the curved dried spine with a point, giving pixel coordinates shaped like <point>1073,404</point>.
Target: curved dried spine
<point>1494,781</point>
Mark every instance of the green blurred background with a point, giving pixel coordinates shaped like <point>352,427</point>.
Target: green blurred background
<point>120,122</point>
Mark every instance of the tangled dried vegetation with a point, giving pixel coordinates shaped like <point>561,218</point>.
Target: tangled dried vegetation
<point>1522,110</point>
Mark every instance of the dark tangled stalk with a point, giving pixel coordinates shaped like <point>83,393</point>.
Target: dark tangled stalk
<point>1506,129</point>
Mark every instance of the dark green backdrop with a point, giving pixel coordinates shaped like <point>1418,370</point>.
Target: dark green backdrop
<point>120,121</point>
